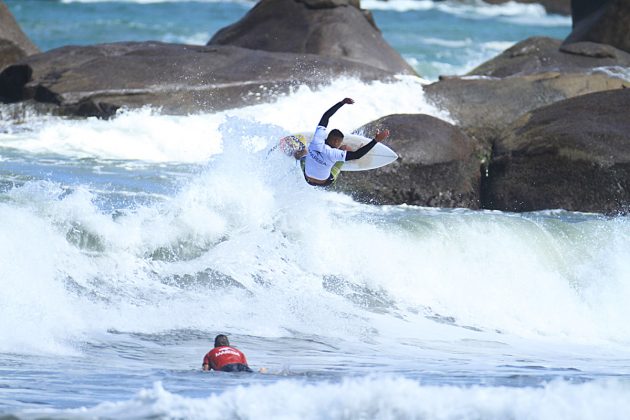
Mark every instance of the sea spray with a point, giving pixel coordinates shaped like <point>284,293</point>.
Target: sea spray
<point>306,260</point>
<point>146,135</point>
<point>126,245</point>
<point>246,226</point>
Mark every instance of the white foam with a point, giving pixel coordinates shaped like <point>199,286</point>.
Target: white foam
<point>477,77</point>
<point>139,135</point>
<point>398,5</point>
<point>114,282</point>
<point>371,397</point>
<point>449,43</point>
<point>36,311</point>
<point>510,8</point>
<point>146,135</point>
<point>519,13</point>
<point>618,72</point>
<point>198,38</point>
<point>250,216</point>
<point>545,21</point>
<point>498,45</point>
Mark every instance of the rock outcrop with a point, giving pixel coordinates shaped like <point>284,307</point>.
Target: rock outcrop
<point>264,55</point>
<point>329,28</point>
<point>531,74</point>
<point>437,166</point>
<point>574,155</point>
<point>537,78</point>
<point>14,44</point>
<point>97,80</point>
<point>484,107</point>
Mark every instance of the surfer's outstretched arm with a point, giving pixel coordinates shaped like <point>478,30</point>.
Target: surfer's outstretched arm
<point>360,152</point>
<point>324,121</point>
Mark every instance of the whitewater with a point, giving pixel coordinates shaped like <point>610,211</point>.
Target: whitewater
<point>127,244</point>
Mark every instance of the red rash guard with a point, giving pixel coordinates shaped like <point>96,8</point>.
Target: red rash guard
<point>221,356</point>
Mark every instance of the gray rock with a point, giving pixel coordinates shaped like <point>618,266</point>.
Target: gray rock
<point>14,44</point>
<point>99,79</point>
<point>484,107</point>
<point>438,165</point>
<point>542,54</point>
<point>603,22</point>
<point>595,50</point>
<point>573,154</point>
<point>331,28</point>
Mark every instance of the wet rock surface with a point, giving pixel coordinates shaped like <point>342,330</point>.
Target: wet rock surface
<point>437,165</point>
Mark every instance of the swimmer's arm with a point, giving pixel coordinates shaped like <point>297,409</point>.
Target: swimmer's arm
<point>206,362</point>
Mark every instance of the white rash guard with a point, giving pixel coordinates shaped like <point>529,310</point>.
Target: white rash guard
<point>321,157</point>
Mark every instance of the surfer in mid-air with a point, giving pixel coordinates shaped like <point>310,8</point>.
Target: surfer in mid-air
<point>325,151</point>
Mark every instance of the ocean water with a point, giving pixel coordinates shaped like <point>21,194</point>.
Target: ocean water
<point>126,245</point>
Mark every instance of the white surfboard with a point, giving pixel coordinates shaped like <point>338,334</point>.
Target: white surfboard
<point>379,156</point>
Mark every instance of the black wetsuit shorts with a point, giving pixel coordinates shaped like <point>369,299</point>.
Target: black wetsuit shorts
<point>236,367</point>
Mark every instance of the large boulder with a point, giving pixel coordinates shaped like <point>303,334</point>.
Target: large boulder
<point>543,54</point>
<point>603,22</point>
<point>574,155</point>
<point>14,44</point>
<point>484,107</point>
<point>437,166</point>
<point>99,79</point>
<point>331,28</point>
<point>533,73</point>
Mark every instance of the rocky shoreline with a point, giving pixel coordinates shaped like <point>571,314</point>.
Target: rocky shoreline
<point>544,125</point>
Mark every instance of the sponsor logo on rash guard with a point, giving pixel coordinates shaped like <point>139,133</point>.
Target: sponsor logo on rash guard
<point>226,351</point>
<point>317,157</point>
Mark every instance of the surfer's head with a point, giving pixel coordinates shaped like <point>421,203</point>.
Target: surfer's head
<point>221,341</point>
<point>334,139</point>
